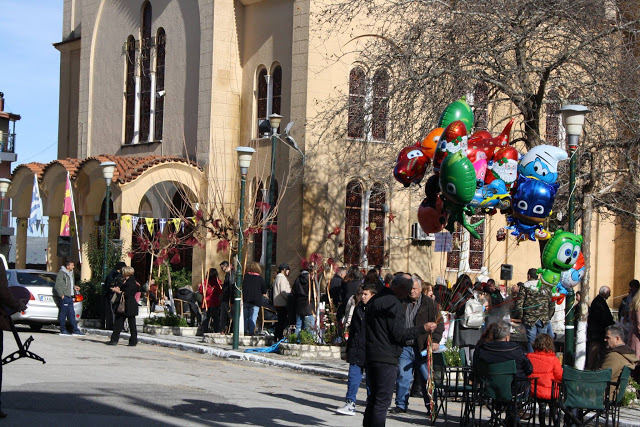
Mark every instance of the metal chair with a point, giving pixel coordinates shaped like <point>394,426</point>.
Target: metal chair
<point>582,393</point>
<point>618,389</point>
<point>496,386</point>
<point>450,382</point>
<point>261,317</point>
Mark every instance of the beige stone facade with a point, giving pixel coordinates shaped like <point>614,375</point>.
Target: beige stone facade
<point>215,51</point>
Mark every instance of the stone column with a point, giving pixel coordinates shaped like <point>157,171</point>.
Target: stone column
<point>21,242</point>
<point>88,225</point>
<point>53,260</point>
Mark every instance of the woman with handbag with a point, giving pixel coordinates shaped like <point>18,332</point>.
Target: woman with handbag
<point>126,307</point>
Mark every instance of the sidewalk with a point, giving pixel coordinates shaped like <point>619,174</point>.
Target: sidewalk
<point>629,417</point>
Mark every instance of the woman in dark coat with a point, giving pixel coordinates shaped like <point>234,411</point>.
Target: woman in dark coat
<point>127,291</point>
<point>253,289</point>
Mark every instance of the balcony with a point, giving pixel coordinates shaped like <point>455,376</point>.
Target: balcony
<point>7,147</point>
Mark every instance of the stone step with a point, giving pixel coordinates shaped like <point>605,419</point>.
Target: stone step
<point>245,341</point>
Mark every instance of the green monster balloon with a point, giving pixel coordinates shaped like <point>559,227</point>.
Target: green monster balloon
<point>458,185</point>
<point>560,253</point>
<point>458,110</point>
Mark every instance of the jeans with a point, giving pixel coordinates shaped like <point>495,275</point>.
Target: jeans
<point>66,311</point>
<point>381,377</point>
<point>353,381</point>
<point>535,330</point>
<point>405,376</point>
<point>250,316</point>
<point>306,320</point>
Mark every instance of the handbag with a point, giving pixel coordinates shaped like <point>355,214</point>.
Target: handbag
<point>121,305</point>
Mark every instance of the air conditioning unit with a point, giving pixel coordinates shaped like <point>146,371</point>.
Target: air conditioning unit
<point>417,233</point>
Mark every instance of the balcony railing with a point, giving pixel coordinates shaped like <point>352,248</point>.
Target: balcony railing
<point>7,142</point>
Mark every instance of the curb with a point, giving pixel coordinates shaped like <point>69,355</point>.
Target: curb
<point>226,354</point>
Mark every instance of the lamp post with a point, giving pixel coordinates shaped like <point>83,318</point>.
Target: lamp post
<point>244,161</point>
<point>573,121</point>
<point>274,122</point>
<point>4,187</point>
<point>107,172</point>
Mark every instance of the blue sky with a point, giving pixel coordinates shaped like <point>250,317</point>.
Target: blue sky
<point>30,74</point>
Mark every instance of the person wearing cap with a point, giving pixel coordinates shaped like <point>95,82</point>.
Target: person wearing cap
<point>281,291</point>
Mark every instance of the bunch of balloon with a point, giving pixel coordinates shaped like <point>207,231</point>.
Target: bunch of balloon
<point>535,191</point>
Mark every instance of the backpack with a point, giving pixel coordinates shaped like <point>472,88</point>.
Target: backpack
<point>473,317</point>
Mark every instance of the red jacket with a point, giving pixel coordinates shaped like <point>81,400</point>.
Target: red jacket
<point>546,367</point>
<point>214,292</point>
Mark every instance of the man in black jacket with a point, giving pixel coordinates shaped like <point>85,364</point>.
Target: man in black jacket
<point>386,336</point>
<point>303,293</point>
<point>599,318</point>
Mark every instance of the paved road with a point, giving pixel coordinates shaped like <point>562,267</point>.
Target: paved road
<point>87,383</point>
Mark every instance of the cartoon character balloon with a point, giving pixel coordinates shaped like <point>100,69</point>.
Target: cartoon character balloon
<point>453,139</point>
<point>573,276</point>
<point>492,196</point>
<point>430,142</point>
<point>504,166</point>
<point>411,165</point>
<point>458,185</point>
<point>541,162</point>
<point>560,253</point>
<point>457,110</point>
<point>532,203</point>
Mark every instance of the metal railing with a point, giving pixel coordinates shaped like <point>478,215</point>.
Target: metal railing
<point>7,142</point>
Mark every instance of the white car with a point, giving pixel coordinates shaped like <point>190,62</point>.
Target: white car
<point>41,309</point>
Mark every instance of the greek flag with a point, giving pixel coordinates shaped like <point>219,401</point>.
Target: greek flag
<point>35,216</point>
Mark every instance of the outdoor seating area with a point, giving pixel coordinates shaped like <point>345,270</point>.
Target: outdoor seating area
<point>493,391</point>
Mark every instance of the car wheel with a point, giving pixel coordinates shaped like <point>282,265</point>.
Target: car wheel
<point>35,326</point>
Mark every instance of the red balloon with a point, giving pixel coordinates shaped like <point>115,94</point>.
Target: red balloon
<point>482,147</point>
<point>432,218</point>
<point>453,139</point>
<point>411,165</point>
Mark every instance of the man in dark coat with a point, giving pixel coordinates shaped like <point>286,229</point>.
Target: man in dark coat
<point>502,349</point>
<point>599,318</point>
<point>114,278</point>
<point>228,292</point>
<point>335,287</point>
<point>419,309</point>
<point>386,336</point>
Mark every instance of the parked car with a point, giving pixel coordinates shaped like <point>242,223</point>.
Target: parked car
<point>41,309</point>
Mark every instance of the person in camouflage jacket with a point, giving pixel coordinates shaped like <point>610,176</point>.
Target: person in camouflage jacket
<point>535,308</point>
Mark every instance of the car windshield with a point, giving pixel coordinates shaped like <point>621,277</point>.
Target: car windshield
<point>36,279</point>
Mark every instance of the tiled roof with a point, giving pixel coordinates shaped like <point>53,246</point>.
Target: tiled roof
<point>36,168</point>
<point>129,168</point>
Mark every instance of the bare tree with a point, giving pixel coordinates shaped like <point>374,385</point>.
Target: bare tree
<point>527,57</point>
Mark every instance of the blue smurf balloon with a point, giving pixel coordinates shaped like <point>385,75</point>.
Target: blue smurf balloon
<point>541,162</point>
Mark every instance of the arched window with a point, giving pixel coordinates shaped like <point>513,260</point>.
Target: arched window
<point>380,104</point>
<point>552,116</point>
<point>353,223</point>
<point>262,95</point>
<point>474,258</point>
<point>145,73</point>
<point>161,40</point>
<point>130,90</point>
<point>357,93</point>
<point>257,218</point>
<point>481,106</point>
<point>375,246</point>
<point>277,90</point>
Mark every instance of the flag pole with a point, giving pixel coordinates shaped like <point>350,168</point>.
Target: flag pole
<point>75,220</point>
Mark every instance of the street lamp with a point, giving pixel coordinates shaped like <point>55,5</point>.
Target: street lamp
<point>107,172</point>
<point>244,161</point>
<point>573,121</point>
<point>274,121</point>
<point>4,187</point>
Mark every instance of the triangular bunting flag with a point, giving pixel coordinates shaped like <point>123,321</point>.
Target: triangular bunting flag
<point>125,222</point>
<point>149,222</point>
<point>134,221</point>
<point>176,223</point>
<point>162,222</point>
